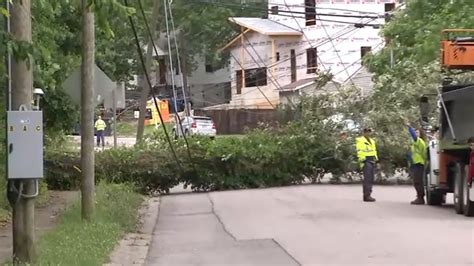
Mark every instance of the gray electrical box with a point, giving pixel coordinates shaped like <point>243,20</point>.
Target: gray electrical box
<point>25,144</point>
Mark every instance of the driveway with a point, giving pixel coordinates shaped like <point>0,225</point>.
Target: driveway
<point>309,225</point>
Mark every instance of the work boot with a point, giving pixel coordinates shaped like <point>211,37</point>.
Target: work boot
<point>418,201</point>
<point>369,199</point>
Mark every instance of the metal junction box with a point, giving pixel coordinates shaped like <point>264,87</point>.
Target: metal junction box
<point>25,144</point>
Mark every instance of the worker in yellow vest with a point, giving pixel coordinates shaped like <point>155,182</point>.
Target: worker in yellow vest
<point>367,157</point>
<point>418,154</point>
<point>99,128</point>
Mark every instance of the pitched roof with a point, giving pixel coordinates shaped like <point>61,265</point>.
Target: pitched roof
<point>298,84</point>
<point>265,26</point>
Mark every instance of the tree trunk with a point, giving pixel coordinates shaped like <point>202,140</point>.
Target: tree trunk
<point>87,113</point>
<point>22,88</point>
<point>145,92</point>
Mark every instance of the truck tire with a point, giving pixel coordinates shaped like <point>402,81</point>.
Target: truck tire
<point>458,187</point>
<point>468,205</point>
<point>433,197</point>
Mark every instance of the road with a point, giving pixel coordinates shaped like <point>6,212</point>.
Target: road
<point>109,141</point>
<point>308,225</point>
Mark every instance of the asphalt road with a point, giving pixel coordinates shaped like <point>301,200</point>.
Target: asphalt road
<point>309,225</point>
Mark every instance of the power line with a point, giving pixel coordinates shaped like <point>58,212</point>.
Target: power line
<point>328,8</point>
<point>179,125</point>
<point>178,57</point>
<point>279,87</point>
<point>288,11</point>
<point>142,60</point>
<point>243,83</point>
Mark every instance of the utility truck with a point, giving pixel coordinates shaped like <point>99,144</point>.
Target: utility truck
<point>449,151</point>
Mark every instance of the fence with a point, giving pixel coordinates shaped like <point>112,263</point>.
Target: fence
<point>237,121</point>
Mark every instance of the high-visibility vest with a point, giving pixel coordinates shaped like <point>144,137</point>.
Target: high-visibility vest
<point>418,151</point>
<point>100,125</point>
<point>366,147</point>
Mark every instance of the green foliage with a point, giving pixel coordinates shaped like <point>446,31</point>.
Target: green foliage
<point>147,168</point>
<point>306,148</point>
<point>205,26</point>
<point>74,242</point>
<point>4,206</point>
<point>415,32</point>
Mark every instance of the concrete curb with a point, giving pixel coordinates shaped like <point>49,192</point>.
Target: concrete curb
<point>133,248</point>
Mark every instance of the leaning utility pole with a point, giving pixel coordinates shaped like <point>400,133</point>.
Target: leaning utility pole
<point>145,92</point>
<point>21,94</point>
<point>87,112</point>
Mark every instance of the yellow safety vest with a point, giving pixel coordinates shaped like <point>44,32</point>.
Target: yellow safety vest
<point>418,151</point>
<point>100,125</point>
<point>366,148</point>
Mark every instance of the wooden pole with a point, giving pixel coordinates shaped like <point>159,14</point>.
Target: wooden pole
<point>22,88</point>
<point>87,112</point>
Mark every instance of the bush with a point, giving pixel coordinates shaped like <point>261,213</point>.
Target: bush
<point>62,170</point>
<point>308,147</point>
<point>149,169</point>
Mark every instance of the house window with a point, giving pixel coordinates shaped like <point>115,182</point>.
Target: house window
<point>310,8</point>
<point>364,50</point>
<point>238,81</point>
<point>277,56</point>
<point>312,60</point>
<point>274,10</point>
<point>388,8</point>
<point>209,68</point>
<point>256,77</point>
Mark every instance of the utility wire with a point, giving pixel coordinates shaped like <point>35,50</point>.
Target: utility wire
<point>328,8</point>
<point>311,45</point>
<point>344,32</point>
<point>243,83</point>
<point>337,53</point>
<point>142,60</point>
<point>179,124</point>
<point>273,79</point>
<point>178,57</point>
<point>289,11</point>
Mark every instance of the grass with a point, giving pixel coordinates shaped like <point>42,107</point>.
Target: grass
<point>129,129</point>
<point>74,242</point>
<point>4,205</point>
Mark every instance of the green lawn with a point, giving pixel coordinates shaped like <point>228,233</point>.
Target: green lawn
<point>4,213</point>
<point>74,242</point>
<point>129,129</point>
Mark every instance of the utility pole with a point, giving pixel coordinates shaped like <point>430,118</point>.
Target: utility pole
<point>87,112</point>
<point>148,60</point>
<point>21,94</point>
<point>114,107</point>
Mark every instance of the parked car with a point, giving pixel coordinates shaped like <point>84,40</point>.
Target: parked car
<point>195,125</point>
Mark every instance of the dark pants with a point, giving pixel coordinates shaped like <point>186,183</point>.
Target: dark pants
<point>369,176</point>
<point>100,137</point>
<point>417,171</point>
